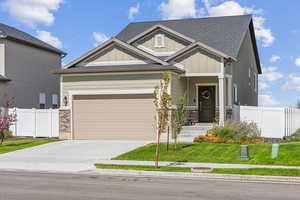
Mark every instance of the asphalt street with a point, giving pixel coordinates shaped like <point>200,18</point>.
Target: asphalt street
<point>46,186</point>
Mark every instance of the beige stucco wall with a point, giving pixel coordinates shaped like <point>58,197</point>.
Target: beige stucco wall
<point>246,93</point>
<point>112,53</point>
<point>109,82</point>
<point>30,70</point>
<point>172,44</point>
<point>200,61</point>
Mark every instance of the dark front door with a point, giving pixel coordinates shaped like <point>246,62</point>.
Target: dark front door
<point>206,103</point>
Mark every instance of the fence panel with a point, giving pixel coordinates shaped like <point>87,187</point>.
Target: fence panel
<point>36,123</point>
<point>273,122</point>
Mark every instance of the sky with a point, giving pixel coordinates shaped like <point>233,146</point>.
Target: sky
<point>76,26</point>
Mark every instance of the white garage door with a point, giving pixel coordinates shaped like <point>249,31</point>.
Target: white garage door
<point>114,117</point>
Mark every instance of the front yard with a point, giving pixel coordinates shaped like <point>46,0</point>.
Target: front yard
<point>13,145</point>
<point>260,154</point>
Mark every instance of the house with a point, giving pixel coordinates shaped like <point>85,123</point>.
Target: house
<point>26,66</point>
<point>107,92</point>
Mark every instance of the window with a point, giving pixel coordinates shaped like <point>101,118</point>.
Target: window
<point>235,94</point>
<point>54,101</point>
<point>42,100</point>
<point>159,41</point>
<point>249,75</point>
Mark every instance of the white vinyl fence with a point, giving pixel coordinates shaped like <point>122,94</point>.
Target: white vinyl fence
<point>273,122</point>
<point>36,123</point>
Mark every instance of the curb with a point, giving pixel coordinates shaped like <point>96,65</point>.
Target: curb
<point>204,176</point>
<point>182,175</point>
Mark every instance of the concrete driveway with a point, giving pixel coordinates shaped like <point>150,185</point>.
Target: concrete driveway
<point>66,156</point>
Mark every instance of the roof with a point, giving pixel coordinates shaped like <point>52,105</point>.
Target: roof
<point>121,43</point>
<point>119,68</point>
<point>13,33</point>
<point>3,78</point>
<point>222,33</point>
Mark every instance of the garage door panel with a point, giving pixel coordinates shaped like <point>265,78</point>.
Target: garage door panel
<point>114,117</point>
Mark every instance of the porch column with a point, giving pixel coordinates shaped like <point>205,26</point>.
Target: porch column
<point>221,100</point>
<point>229,90</point>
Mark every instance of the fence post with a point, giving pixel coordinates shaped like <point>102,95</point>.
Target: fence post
<point>51,122</point>
<point>35,122</point>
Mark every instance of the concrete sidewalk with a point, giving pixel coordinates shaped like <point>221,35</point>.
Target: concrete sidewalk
<point>191,164</point>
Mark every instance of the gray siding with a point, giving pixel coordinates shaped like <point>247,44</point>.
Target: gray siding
<point>30,70</point>
<point>178,88</point>
<point>240,69</point>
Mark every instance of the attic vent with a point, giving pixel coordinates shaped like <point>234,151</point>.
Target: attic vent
<point>159,41</point>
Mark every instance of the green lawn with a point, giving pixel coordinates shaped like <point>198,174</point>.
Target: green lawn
<point>289,154</point>
<point>9,146</point>
<point>259,171</point>
<point>254,171</point>
<point>143,168</point>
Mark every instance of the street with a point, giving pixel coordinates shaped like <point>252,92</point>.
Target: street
<point>43,186</point>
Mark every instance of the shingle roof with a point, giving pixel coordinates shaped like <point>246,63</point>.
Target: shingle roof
<point>119,68</point>
<point>11,32</point>
<point>222,33</point>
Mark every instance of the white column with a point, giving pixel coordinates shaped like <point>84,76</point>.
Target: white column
<point>221,101</point>
<point>221,79</point>
<point>229,90</point>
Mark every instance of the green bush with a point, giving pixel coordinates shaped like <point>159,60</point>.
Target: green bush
<point>240,131</point>
<point>8,134</point>
<point>295,137</point>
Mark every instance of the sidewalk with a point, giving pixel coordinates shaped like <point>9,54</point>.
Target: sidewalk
<point>191,164</point>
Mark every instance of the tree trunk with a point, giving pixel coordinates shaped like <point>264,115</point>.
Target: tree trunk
<point>175,141</point>
<point>2,138</point>
<point>157,149</point>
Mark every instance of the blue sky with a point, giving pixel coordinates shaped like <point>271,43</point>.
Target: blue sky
<point>76,26</point>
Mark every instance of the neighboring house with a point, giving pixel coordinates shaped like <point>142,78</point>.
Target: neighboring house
<point>26,70</point>
<point>107,92</point>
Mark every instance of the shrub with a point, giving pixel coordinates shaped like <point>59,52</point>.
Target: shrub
<point>295,137</point>
<point>234,132</point>
<point>8,134</point>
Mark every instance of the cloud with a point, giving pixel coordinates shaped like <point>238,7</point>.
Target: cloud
<point>270,74</point>
<point>274,58</point>
<point>262,85</point>
<point>262,33</point>
<point>297,62</point>
<point>292,84</point>
<point>229,8</point>
<point>267,100</point>
<point>178,9</point>
<point>99,38</point>
<point>133,11</point>
<point>49,38</point>
<point>33,12</point>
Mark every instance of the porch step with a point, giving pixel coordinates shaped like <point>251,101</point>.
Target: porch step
<point>188,133</point>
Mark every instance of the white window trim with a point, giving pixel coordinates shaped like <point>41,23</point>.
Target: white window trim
<point>156,44</point>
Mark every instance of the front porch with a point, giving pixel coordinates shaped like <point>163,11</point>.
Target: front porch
<point>209,99</point>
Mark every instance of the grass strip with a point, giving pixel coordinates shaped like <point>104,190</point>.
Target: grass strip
<point>258,171</point>
<point>143,168</point>
<point>9,146</point>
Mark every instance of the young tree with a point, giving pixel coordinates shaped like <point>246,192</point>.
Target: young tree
<point>162,102</point>
<point>179,118</point>
<point>6,119</point>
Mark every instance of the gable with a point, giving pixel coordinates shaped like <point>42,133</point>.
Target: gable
<point>113,54</point>
<point>172,44</point>
<point>199,61</point>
